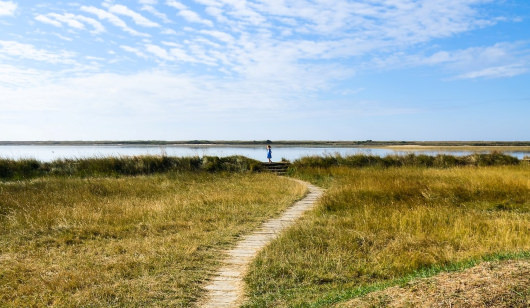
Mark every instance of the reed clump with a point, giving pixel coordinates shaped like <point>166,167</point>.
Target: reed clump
<point>379,224</point>
<point>126,165</point>
<point>142,241</point>
<point>411,160</point>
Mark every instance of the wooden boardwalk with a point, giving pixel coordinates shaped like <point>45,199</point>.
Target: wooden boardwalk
<point>279,168</point>
<point>226,288</point>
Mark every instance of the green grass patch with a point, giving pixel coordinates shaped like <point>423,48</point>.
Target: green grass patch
<point>377,226</point>
<point>144,241</point>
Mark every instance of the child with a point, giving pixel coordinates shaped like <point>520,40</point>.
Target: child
<point>269,153</point>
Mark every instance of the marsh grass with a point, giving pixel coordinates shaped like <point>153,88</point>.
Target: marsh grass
<point>11,169</point>
<point>376,225</point>
<point>409,160</point>
<point>144,241</point>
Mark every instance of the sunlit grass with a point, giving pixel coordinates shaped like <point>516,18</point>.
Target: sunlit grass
<point>130,241</point>
<point>376,225</point>
<point>19,169</point>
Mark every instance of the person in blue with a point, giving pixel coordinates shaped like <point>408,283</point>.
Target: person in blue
<point>269,153</point>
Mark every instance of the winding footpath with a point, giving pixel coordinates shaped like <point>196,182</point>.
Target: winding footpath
<point>226,288</point>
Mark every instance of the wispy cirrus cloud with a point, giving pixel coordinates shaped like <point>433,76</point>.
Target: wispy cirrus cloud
<point>148,7</point>
<point>72,20</point>
<point>496,72</point>
<point>187,14</point>
<point>19,50</point>
<point>134,50</point>
<point>503,59</point>
<point>48,20</point>
<point>205,58</point>
<point>136,17</point>
<point>113,19</point>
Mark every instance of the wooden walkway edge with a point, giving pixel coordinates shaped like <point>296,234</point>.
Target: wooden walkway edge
<point>226,288</point>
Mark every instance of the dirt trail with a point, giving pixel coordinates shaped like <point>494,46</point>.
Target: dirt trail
<point>226,288</point>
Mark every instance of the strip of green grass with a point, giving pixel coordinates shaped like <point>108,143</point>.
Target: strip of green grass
<point>377,226</point>
<point>345,295</point>
<point>146,241</point>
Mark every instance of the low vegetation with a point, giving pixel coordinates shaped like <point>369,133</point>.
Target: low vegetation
<point>385,224</point>
<point>11,169</point>
<point>411,160</point>
<point>143,241</point>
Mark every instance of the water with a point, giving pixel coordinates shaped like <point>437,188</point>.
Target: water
<point>52,152</point>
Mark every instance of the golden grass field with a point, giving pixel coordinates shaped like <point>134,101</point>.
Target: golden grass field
<point>148,231</point>
<point>376,226</point>
<point>144,241</point>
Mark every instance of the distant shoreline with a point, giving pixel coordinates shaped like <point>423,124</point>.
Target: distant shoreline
<point>404,145</point>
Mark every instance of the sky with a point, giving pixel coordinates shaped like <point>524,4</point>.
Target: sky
<point>257,70</point>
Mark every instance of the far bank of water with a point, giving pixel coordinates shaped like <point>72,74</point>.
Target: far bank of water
<point>53,152</point>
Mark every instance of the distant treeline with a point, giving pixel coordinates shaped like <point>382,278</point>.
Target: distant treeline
<point>275,142</point>
<point>415,160</point>
<point>115,166</point>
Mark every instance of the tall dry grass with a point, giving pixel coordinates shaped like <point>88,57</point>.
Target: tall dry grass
<point>146,241</point>
<point>20,169</point>
<point>376,225</point>
<point>409,160</point>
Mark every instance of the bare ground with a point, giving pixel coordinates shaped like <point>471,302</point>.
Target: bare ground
<point>490,284</point>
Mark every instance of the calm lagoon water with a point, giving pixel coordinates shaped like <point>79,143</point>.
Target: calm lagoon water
<point>52,152</point>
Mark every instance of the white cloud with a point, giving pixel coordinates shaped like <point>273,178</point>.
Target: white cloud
<point>187,14</point>
<point>133,50</point>
<point>222,36</point>
<point>191,16</point>
<point>137,18</point>
<point>217,13</point>
<point>142,93</point>
<point>68,19</point>
<point>47,20</point>
<point>169,31</point>
<point>12,77</point>
<point>496,72</point>
<point>179,54</point>
<point>74,21</point>
<point>113,19</point>
<point>62,37</point>
<point>96,25</point>
<point>177,5</point>
<point>7,8</point>
<point>496,61</point>
<point>27,51</point>
<point>158,52</point>
<point>151,9</point>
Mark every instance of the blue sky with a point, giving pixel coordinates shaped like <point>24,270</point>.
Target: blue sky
<point>254,70</point>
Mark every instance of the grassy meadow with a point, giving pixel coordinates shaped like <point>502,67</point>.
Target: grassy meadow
<point>384,221</point>
<point>125,241</point>
<point>148,230</point>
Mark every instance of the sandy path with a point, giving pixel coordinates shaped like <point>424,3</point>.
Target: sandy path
<point>226,288</point>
